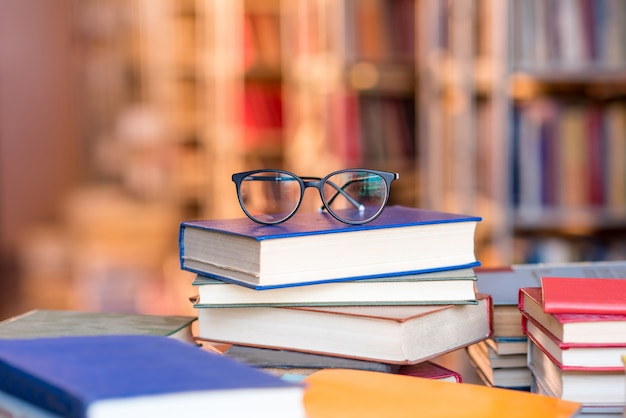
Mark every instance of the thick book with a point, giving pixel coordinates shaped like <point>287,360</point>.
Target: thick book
<point>364,394</point>
<point>440,287</point>
<point>389,334</point>
<point>589,386</point>
<point>40,323</point>
<point>431,370</point>
<point>137,376</point>
<point>584,295</point>
<point>572,328</point>
<point>316,248</point>
<point>596,356</point>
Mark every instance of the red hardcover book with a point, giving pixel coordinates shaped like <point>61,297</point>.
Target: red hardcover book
<point>584,295</point>
<point>605,357</point>
<point>572,328</point>
<point>431,370</point>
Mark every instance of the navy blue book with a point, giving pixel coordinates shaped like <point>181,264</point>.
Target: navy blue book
<point>135,376</point>
<point>315,248</point>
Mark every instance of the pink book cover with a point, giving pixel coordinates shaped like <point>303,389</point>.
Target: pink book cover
<point>430,370</point>
<point>584,295</point>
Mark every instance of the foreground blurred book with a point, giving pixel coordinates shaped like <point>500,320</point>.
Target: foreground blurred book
<point>363,394</point>
<point>135,376</point>
<point>56,323</point>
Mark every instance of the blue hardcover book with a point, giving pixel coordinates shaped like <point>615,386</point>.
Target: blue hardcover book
<point>135,376</point>
<point>315,248</point>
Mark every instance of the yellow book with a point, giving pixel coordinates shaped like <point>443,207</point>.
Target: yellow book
<point>366,394</point>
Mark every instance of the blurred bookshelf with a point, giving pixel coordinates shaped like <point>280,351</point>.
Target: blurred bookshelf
<point>176,95</point>
<point>526,99</point>
<point>469,100</point>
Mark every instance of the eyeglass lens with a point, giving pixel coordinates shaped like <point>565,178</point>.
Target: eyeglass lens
<point>353,196</point>
<point>270,197</point>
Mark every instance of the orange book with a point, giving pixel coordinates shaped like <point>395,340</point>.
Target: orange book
<point>365,394</point>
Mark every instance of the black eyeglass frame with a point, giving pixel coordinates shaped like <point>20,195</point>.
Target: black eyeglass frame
<point>317,183</point>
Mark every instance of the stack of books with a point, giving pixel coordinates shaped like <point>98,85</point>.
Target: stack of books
<point>500,360</point>
<point>395,292</point>
<point>124,376</point>
<point>577,337</point>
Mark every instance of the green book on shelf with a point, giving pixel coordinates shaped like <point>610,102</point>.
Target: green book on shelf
<point>40,323</point>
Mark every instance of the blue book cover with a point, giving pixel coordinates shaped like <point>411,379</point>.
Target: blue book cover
<point>313,247</point>
<point>314,223</point>
<point>138,375</point>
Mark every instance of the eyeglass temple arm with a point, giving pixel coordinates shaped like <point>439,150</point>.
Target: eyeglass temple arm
<point>340,190</point>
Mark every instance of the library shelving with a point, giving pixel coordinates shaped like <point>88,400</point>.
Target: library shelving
<point>351,91</point>
<point>522,117</point>
<point>176,95</point>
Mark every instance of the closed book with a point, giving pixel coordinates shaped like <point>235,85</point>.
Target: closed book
<point>584,295</point>
<point>440,287</point>
<point>599,356</point>
<point>365,394</point>
<point>508,345</point>
<point>137,376</point>
<point>573,328</point>
<point>316,248</point>
<point>40,323</point>
<point>589,386</point>
<point>267,358</point>
<point>389,334</point>
<point>431,370</point>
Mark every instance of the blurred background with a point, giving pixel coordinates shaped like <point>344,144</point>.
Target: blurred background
<point>121,118</point>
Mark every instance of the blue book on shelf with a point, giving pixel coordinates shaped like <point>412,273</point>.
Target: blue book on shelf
<point>135,376</point>
<point>313,247</point>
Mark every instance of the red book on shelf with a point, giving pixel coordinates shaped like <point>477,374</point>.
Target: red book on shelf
<point>584,295</point>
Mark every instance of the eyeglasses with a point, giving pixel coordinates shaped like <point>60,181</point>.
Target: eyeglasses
<point>352,196</point>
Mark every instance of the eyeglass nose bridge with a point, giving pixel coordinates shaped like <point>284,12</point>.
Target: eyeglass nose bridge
<point>318,183</point>
<point>315,183</point>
